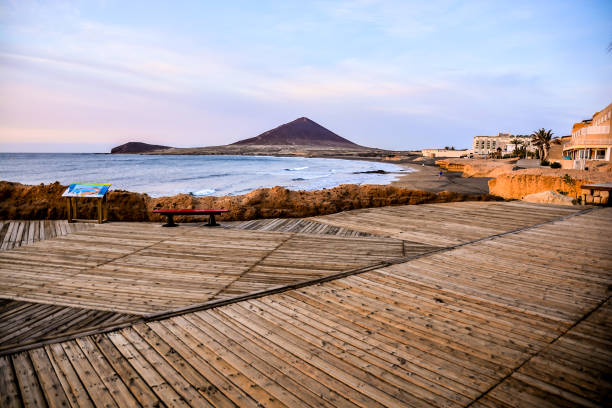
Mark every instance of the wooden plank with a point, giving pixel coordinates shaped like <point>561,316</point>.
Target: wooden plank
<point>7,237</point>
<point>196,379</point>
<point>29,386</point>
<point>97,390</point>
<point>73,386</point>
<point>106,373</point>
<point>189,349</point>
<point>10,395</point>
<point>187,391</point>
<point>150,375</point>
<point>50,384</point>
<point>17,238</point>
<point>137,386</point>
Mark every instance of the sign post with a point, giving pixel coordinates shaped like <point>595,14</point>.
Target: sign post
<point>87,190</point>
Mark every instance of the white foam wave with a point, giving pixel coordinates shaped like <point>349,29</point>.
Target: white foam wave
<point>205,192</point>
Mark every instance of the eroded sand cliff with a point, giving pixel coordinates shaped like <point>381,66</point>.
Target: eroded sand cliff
<point>519,183</point>
<point>511,182</point>
<point>19,201</point>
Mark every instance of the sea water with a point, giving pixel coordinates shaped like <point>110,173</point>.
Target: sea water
<point>166,175</point>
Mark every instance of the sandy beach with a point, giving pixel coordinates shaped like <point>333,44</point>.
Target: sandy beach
<point>428,178</point>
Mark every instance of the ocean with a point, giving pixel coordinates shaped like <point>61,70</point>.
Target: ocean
<point>168,175</point>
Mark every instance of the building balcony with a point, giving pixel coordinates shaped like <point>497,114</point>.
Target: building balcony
<point>592,130</point>
<point>588,141</point>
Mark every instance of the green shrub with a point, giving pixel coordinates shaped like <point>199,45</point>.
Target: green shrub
<point>544,163</point>
<point>567,179</point>
<point>555,165</point>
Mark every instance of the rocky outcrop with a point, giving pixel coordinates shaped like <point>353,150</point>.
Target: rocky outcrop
<point>137,147</point>
<point>18,201</point>
<point>550,197</point>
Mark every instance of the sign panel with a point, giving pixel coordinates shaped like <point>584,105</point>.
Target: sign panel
<point>94,190</point>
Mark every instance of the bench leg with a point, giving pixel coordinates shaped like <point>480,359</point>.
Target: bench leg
<point>170,221</point>
<point>211,221</point>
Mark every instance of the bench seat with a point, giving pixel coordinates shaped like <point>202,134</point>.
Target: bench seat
<point>170,213</point>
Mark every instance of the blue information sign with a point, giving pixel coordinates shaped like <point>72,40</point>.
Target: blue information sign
<point>94,190</point>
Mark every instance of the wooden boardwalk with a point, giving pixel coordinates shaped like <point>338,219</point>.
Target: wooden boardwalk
<point>21,322</point>
<point>139,268</point>
<point>17,233</point>
<point>518,319</point>
<point>445,224</point>
<point>298,225</point>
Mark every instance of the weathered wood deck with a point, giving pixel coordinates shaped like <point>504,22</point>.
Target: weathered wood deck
<point>142,268</point>
<point>21,322</point>
<point>17,233</point>
<point>517,319</point>
<point>445,224</point>
<point>297,225</point>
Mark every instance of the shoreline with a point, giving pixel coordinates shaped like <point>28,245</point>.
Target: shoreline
<point>423,174</point>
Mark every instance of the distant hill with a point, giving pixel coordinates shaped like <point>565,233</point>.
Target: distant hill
<point>300,132</point>
<point>137,147</point>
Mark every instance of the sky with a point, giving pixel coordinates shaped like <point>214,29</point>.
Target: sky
<point>84,76</point>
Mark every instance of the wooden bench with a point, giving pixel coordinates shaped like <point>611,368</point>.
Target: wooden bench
<point>171,213</point>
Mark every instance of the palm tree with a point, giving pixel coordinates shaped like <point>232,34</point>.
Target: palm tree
<point>541,140</point>
<point>516,142</point>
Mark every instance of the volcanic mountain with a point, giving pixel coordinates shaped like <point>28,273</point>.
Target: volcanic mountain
<point>300,132</point>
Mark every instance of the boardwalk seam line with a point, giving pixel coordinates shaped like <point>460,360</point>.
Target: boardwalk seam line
<point>250,268</point>
<point>551,343</point>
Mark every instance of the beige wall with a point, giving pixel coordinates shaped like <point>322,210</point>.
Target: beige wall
<point>445,153</point>
<point>592,139</point>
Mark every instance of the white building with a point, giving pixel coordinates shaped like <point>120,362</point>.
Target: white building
<point>486,145</point>
<point>446,153</point>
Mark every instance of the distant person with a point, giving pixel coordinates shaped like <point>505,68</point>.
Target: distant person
<point>440,174</point>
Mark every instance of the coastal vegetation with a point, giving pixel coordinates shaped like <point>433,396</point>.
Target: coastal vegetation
<point>516,142</point>
<point>541,139</point>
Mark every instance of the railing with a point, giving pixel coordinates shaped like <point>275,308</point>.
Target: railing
<point>592,130</point>
<point>588,140</point>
